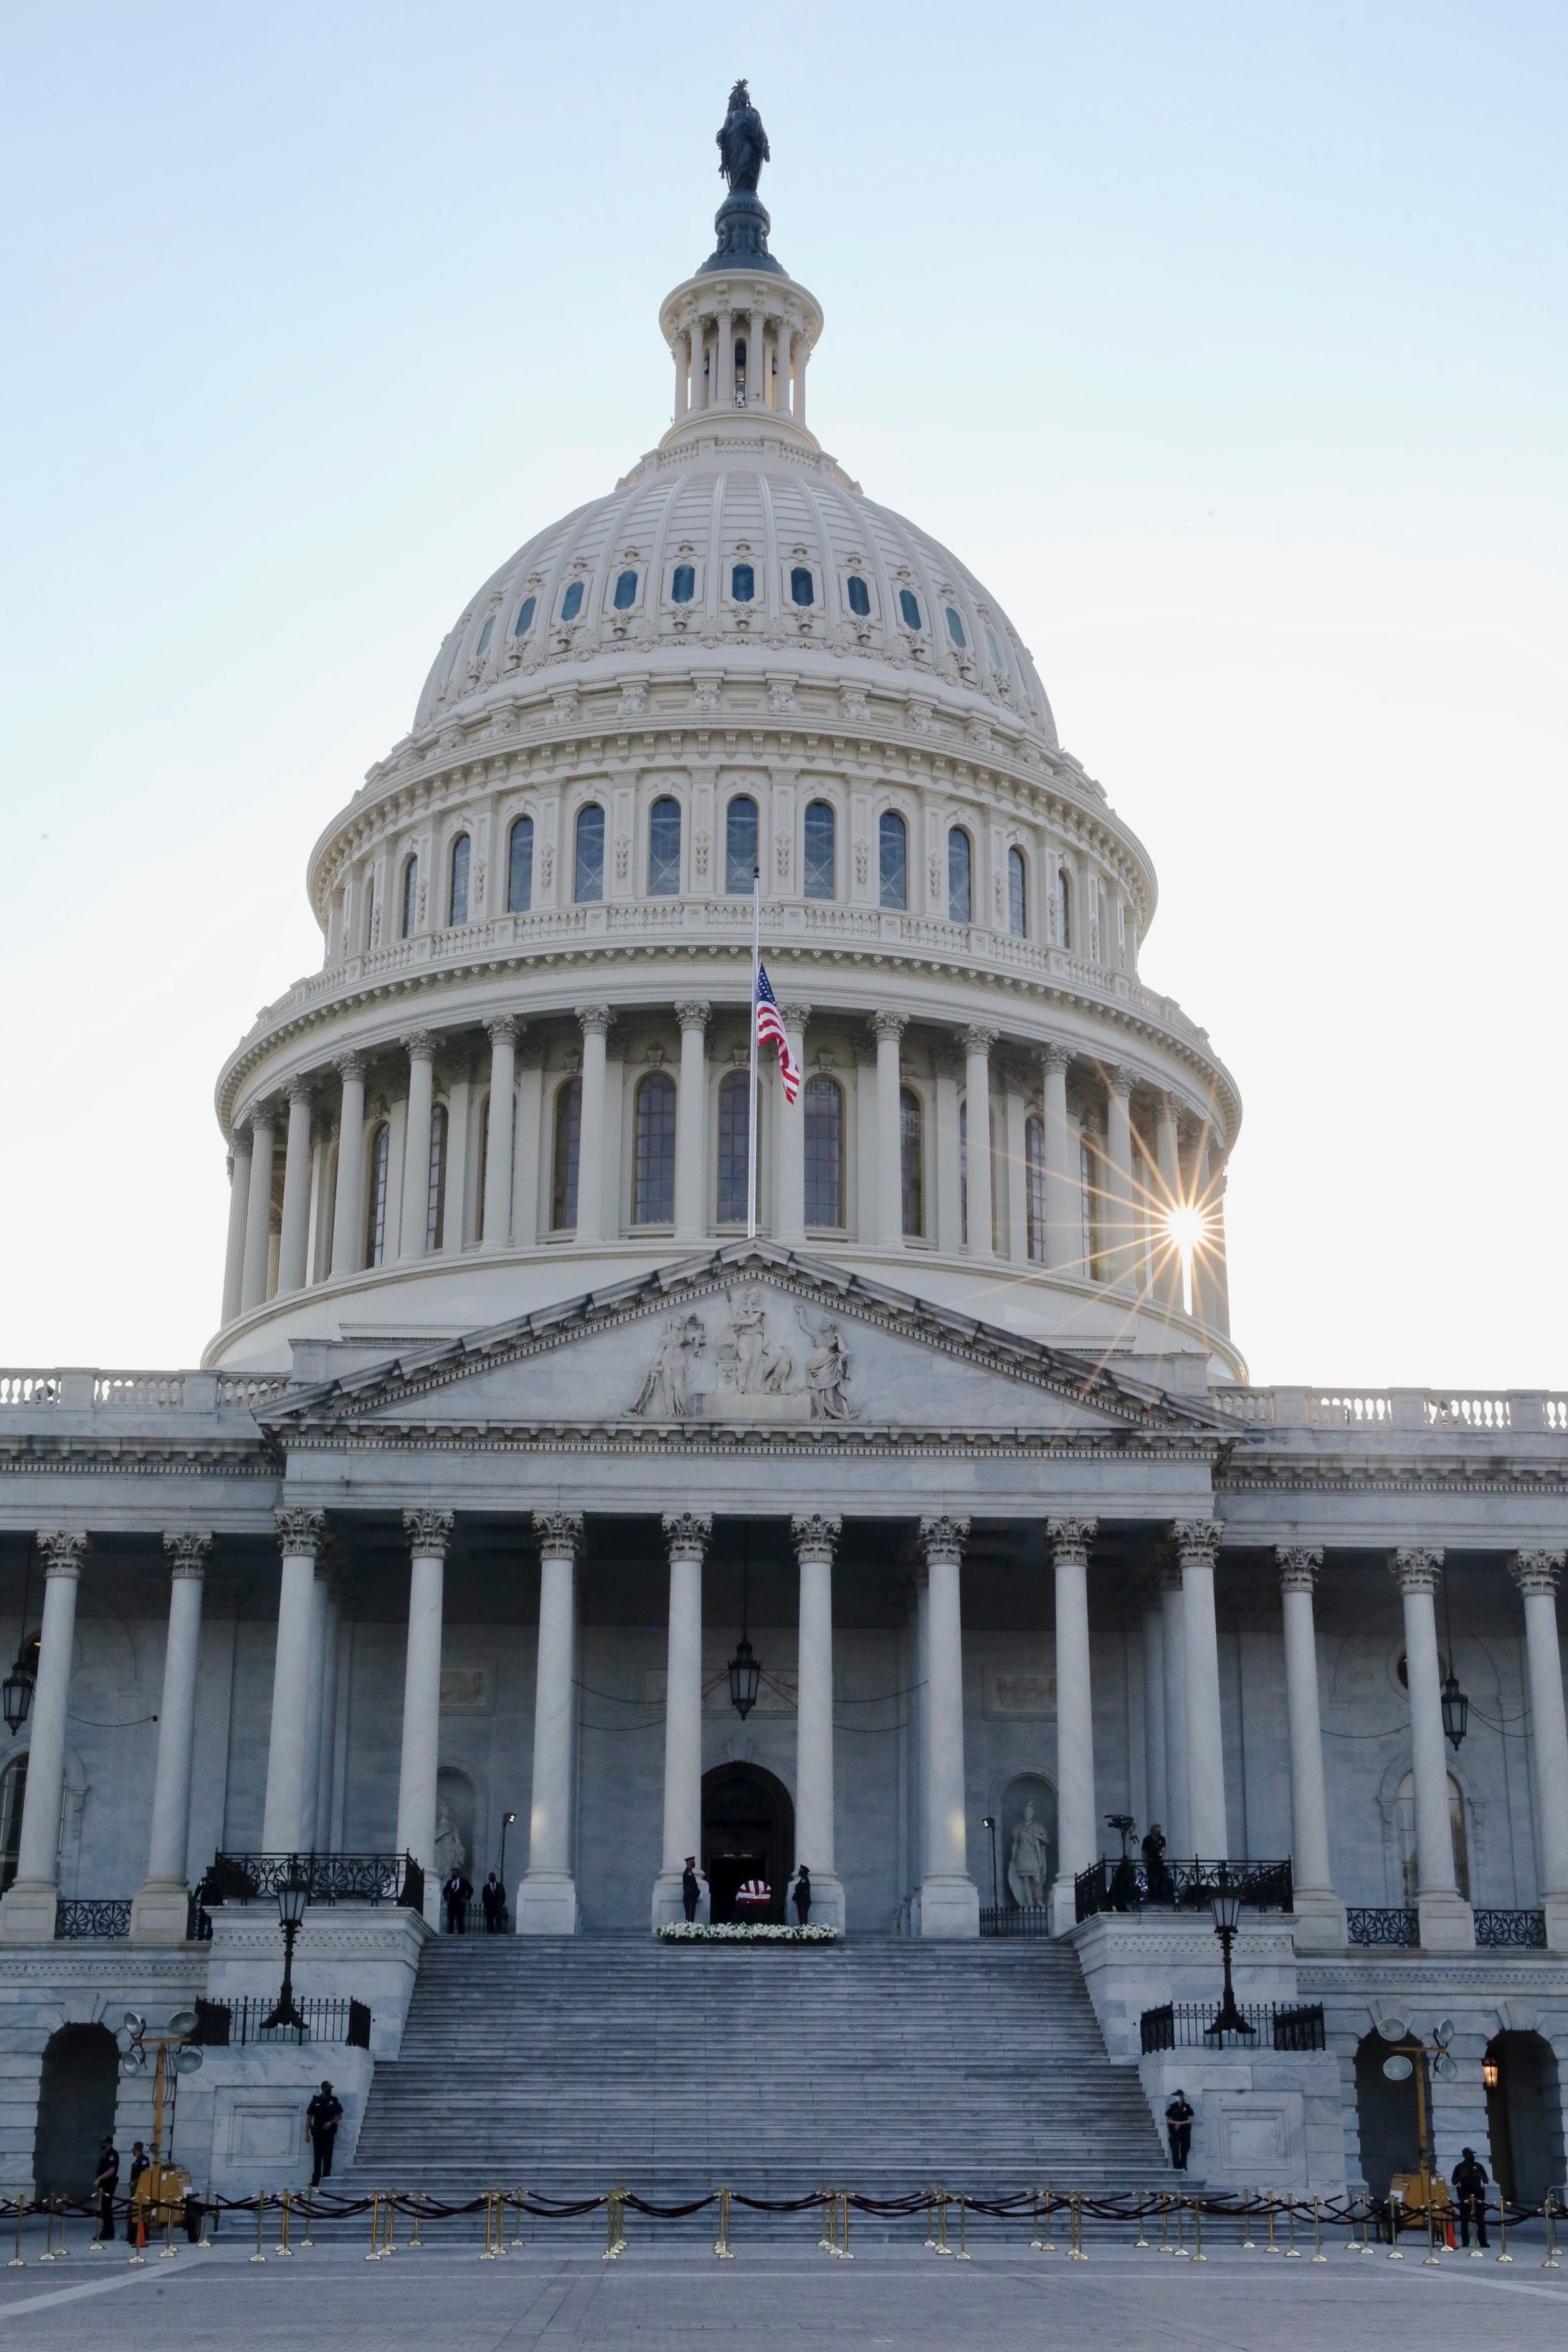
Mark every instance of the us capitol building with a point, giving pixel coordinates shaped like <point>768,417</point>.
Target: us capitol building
<point>513,1468</point>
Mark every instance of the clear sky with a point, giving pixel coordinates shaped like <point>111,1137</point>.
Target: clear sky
<point>1225,342</point>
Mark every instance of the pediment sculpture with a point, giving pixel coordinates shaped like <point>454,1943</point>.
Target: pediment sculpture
<point>758,1374</point>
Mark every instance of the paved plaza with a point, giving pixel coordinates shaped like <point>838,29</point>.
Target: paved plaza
<point>887,2297</point>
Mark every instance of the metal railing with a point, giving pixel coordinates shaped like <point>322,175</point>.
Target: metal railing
<point>1128,1886</point>
<point>1367,1924</point>
<point>1515,1930</point>
<point>80,1916</point>
<point>1014,1919</point>
<point>229,2024</point>
<point>1190,2026</point>
<point>394,1878</point>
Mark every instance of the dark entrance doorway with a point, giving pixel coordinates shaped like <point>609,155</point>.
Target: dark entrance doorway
<point>1523,2115</point>
<point>1387,2113</point>
<point>75,2107</point>
<point>748,1831</point>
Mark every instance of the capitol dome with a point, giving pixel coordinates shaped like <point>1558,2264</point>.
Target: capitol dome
<point>735,662</point>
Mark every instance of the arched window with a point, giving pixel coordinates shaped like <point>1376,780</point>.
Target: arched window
<point>1064,908</point>
<point>740,370</point>
<point>1018,894</point>
<point>683,584</point>
<point>909,606</point>
<point>485,634</point>
<point>821,863</point>
<point>525,613</point>
<point>571,602</point>
<point>589,878</point>
<point>995,650</point>
<point>1034,1186</point>
<point>664,848</point>
<point>435,1191</point>
<point>626,595</point>
<point>893,860</point>
<point>734,1115</point>
<point>824,1151</point>
<point>563,1156</point>
<point>457,881</point>
<point>653,1162</point>
<point>1088,1191</point>
<point>410,897</point>
<point>375,1209</point>
<point>520,866</point>
<point>743,584</point>
<point>955,630</point>
<point>911,1161</point>
<point>960,876</point>
<point>859,596</point>
<point>739,843</point>
<point>801,587</point>
<point>1404,1815</point>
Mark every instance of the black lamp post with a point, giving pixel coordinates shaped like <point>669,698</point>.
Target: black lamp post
<point>745,1666</point>
<point>17,1690</point>
<point>1226,1904</point>
<point>988,1821</point>
<point>1455,1705</point>
<point>506,1821</point>
<point>293,1893</point>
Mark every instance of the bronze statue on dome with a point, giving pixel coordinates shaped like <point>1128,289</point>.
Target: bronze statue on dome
<point>741,142</point>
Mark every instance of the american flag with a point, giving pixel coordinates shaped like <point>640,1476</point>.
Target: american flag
<point>770,1030</point>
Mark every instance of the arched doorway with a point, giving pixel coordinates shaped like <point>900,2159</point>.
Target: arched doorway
<point>1386,2113</point>
<point>1524,2115</point>
<point>748,1831</point>
<point>76,2108</point>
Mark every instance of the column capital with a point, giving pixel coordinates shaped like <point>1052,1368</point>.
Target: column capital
<point>796,1013</point>
<point>942,1540</point>
<point>978,1040</point>
<point>695,1013</point>
<point>815,1536</point>
<point>1195,1541</point>
<point>1415,1568</point>
<point>1056,1057</point>
<point>504,1030</point>
<point>688,1533</point>
<point>596,1019</point>
<point>1536,1571</point>
<point>301,1088</point>
<point>419,1044</point>
<point>889,1024</point>
<point>560,1533</point>
<point>260,1115</point>
<point>1121,1080</point>
<point>1298,1565</point>
<point>300,1534</point>
<point>64,1549</point>
<point>1069,1540</point>
<point>189,1550</point>
<point>241,1139</point>
<point>352,1065</point>
<point>428,1533</point>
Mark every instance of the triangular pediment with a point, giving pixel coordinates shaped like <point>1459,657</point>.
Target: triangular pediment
<point>751,1337</point>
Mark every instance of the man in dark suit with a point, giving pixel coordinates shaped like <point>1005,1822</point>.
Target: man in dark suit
<point>690,1888</point>
<point>1180,2116</point>
<point>1471,2190</point>
<point>493,1897</point>
<point>323,2116</point>
<point>105,2183</point>
<point>456,1891</point>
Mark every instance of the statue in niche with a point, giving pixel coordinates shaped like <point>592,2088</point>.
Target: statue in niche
<point>1029,1863</point>
<point>666,1394</point>
<point>741,142</point>
<point>828,1373</point>
<point>760,1368</point>
<point>450,1852</point>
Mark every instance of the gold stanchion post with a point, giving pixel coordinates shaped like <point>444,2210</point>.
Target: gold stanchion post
<point>169,2248</point>
<point>722,2242</point>
<point>261,2225</point>
<point>205,2237</point>
<point>285,2215</point>
<point>389,2207</point>
<point>941,2245</point>
<point>1549,2215</point>
<point>1318,2253</point>
<point>963,2226</point>
<point>415,2243</point>
<point>1075,2250</point>
<point>1248,2243</point>
<point>1269,2206</point>
<point>1198,2253</point>
<point>1502,2225</point>
<point>18,2260</point>
<point>1140,2241</point>
<point>1292,2251</point>
<point>489,2253</point>
<point>375,2254</point>
<point>62,2251</point>
<point>1431,2261</point>
<point>49,2254</point>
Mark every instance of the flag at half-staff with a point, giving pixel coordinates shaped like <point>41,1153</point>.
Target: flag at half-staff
<point>771,1032</point>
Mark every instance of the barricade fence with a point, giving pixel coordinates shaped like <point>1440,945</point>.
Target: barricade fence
<point>1170,2222</point>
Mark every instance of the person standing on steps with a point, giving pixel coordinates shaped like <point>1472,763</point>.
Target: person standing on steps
<point>494,1902</point>
<point>456,1891</point>
<point>690,1888</point>
<point>803,1895</point>
<point>1156,1877</point>
<point>1179,2116</point>
<point>105,2183</point>
<point>1470,2185</point>
<point>323,2116</point>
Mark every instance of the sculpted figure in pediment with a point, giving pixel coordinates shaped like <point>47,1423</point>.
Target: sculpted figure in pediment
<point>828,1373</point>
<point>667,1393</point>
<point>759,1367</point>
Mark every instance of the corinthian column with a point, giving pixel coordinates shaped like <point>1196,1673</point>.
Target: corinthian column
<point>296,1189</point>
<point>301,1535</point>
<point>428,1533</point>
<point>420,1048</point>
<point>596,1020</point>
<point>1178,1824</point>
<point>977,1045</point>
<point>258,1212</point>
<point>158,1916</point>
<point>1123,1251</point>
<point>28,1909</point>
<point>688,1533</point>
<point>1319,1913</point>
<point>348,1203</point>
<point>1536,1574</point>
<point>887,1029</point>
<point>815,1541</point>
<point>1078,1828</point>
<point>950,1902</point>
<point>691,1123</point>
<point>1064,1216</point>
<point>1446,1922</point>
<point>547,1899</point>
<point>239,1205</point>
<point>1196,1542</point>
<point>500,1125</point>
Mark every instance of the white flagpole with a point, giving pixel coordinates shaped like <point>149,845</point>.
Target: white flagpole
<point>751,1106</point>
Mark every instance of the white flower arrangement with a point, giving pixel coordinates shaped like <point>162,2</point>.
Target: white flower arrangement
<point>694,1931</point>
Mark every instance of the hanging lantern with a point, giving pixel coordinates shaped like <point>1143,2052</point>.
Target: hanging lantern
<point>1456,1709</point>
<point>745,1673</point>
<point>17,1692</point>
